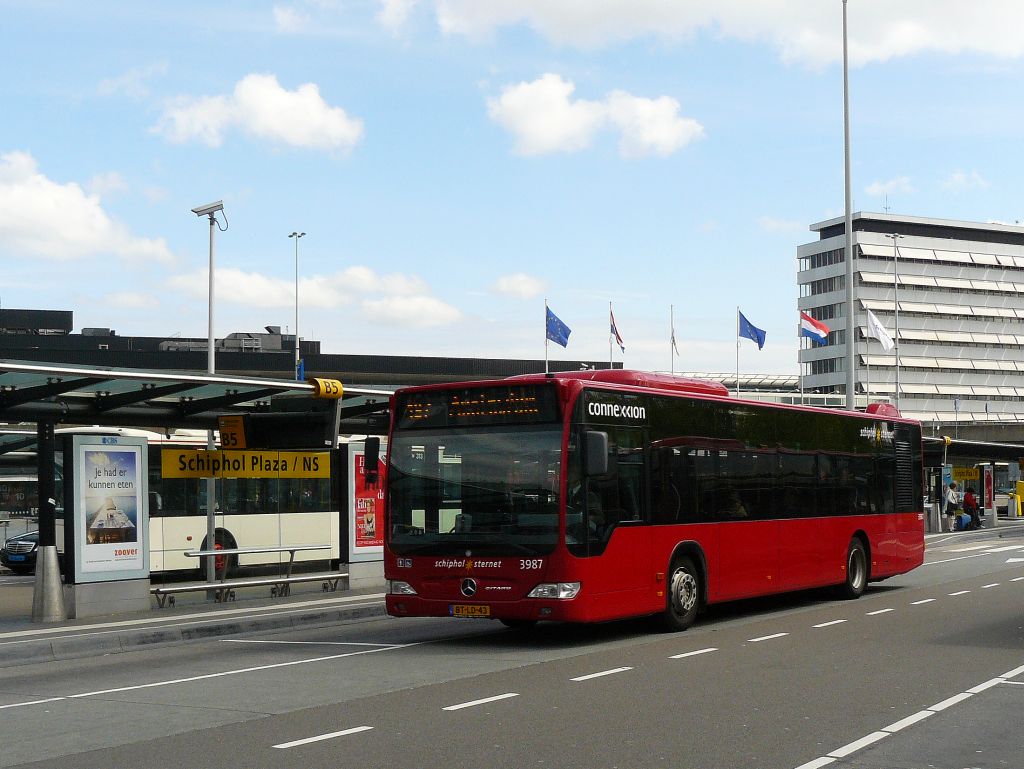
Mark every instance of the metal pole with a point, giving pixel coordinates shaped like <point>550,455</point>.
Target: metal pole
<point>737,352</point>
<point>211,368</point>
<point>297,235</point>
<point>850,341</point>
<point>48,592</point>
<point>896,302</point>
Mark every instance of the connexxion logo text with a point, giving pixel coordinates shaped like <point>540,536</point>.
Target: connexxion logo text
<point>616,410</point>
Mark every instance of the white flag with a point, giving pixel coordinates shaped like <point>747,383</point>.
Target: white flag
<point>877,330</point>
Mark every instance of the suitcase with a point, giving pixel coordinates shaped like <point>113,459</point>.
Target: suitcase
<point>963,522</point>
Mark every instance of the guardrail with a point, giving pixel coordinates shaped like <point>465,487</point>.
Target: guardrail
<point>224,589</point>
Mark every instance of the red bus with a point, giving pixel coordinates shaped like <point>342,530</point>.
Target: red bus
<point>596,495</point>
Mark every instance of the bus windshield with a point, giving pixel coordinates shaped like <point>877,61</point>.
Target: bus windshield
<point>489,490</point>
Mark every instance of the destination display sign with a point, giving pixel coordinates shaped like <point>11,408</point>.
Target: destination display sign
<point>203,463</point>
<point>506,404</point>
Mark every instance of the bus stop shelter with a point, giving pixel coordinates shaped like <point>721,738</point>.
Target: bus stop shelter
<point>276,413</point>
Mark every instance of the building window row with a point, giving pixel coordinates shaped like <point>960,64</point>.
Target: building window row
<point>822,259</point>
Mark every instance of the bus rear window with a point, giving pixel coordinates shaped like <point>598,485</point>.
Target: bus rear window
<point>477,406</point>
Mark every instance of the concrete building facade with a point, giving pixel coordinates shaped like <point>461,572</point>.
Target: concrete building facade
<point>950,294</point>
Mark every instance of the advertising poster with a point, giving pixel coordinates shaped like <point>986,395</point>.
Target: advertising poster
<point>110,516</point>
<point>366,532</point>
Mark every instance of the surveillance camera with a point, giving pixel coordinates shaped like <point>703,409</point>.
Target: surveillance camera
<point>209,209</point>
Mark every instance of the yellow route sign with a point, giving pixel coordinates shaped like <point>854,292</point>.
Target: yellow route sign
<point>202,463</point>
<point>232,431</point>
<point>327,388</point>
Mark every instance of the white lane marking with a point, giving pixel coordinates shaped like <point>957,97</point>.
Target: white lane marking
<point>817,763</point>
<point>602,673</point>
<point>986,587</point>
<point>766,637</point>
<point>1005,549</point>
<point>254,611</point>
<point>987,685</point>
<point>950,702</point>
<point>958,558</point>
<point>968,549</point>
<point>484,701</point>
<point>307,643</point>
<point>33,702</point>
<point>938,707</point>
<point>960,592</point>
<point>880,611</point>
<point>224,673</point>
<point>856,745</point>
<point>908,721</point>
<point>693,654</point>
<point>1016,579</point>
<point>918,603</point>
<point>1015,560</point>
<point>833,622</point>
<point>320,737</point>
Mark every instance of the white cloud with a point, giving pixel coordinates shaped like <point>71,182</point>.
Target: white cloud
<point>417,311</point>
<point>962,181</point>
<point>520,285</point>
<point>543,118</point>
<point>289,20</point>
<point>394,14</point>
<point>260,107</point>
<point>394,298</point>
<point>899,184</point>
<point>808,31</point>
<point>131,300</point>
<point>107,184</point>
<point>41,217</point>
<point>134,83</point>
<point>771,224</point>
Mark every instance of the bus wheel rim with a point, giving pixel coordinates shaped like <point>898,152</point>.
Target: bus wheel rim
<point>684,591</point>
<point>856,568</point>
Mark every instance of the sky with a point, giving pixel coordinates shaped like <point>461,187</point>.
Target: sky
<point>455,163</point>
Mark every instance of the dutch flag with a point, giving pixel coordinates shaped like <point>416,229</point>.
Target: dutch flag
<point>813,329</point>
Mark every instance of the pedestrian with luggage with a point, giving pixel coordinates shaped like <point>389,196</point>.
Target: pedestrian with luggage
<point>971,507</point>
<point>952,505</point>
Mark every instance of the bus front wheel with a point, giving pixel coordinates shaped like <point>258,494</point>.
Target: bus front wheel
<point>856,570</point>
<point>683,599</point>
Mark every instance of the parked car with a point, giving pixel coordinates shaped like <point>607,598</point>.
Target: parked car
<point>19,553</point>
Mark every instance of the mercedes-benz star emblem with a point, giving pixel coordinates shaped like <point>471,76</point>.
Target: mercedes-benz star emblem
<point>469,587</point>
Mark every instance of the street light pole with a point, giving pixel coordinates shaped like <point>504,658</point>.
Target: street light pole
<point>850,339</point>
<point>297,235</point>
<point>896,303</point>
<point>210,210</point>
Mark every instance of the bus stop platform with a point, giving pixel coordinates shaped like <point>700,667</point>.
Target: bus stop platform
<point>23,642</point>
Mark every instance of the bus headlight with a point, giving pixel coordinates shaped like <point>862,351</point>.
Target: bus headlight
<point>563,590</point>
<point>398,587</point>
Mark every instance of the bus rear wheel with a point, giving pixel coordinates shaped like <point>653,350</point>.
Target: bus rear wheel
<point>856,571</point>
<point>683,600</point>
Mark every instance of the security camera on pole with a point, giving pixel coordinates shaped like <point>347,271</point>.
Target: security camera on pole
<point>210,210</point>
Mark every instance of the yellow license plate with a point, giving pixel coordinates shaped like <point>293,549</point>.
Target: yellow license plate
<point>469,610</point>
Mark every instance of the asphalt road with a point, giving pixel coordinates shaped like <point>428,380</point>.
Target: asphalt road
<point>926,670</point>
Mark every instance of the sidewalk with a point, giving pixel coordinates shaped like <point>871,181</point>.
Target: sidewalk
<point>23,642</point>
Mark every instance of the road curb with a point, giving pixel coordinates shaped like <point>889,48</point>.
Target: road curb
<point>102,643</point>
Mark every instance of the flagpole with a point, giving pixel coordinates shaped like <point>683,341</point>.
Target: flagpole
<point>545,335</point>
<point>672,338</point>
<point>610,363</point>
<point>799,363</point>
<point>867,363</point>
<point>737,351</point>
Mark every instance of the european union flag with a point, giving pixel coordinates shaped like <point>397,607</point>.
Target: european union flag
<point>750,331</point>
<point>557,331</point>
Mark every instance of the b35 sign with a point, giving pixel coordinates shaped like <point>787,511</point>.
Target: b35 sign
<point>202,463</point>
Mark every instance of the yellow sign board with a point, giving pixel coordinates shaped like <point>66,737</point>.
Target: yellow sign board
<point>232,431</point>
<point>961,474</point>
<point>327,388</point>
<point>202,463</point>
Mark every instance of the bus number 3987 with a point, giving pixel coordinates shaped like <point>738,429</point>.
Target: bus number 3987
<point>531,563</point>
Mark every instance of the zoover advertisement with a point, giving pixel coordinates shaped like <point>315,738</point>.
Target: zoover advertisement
<point>111,521</point>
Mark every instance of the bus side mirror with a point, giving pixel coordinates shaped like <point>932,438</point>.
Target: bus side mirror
<point>595,453</point>
<point>371,457</point>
